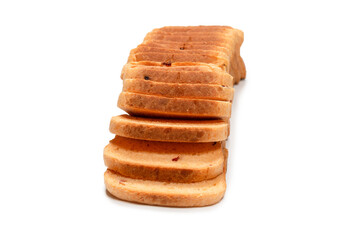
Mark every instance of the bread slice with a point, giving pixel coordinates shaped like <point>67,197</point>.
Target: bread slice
<point>164,161</point>
<point>179,90</point>
<point>169,57</point>
<point>200,28</point>
<point>164,193</point>
<point>177,73</point>
<point>225,32</point>
<point>177,55</point>
<point>185,46</point>
<point>148,48</point>
<point>156,106</point>
<point>170,130</point>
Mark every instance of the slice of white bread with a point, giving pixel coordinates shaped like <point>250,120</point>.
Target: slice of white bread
<point>180,90</point>
<point>164,161</point>
<point>170,130</point>
<point>156,106</point>
<point>177,73</point>
<point>197,194</point>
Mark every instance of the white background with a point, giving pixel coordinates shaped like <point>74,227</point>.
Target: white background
<point>294,166</point>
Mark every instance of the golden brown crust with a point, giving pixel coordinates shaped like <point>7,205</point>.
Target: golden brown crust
<point>170,130</point>
<point>148,105</point>
<point>243,69</point>
<point>189,195</point>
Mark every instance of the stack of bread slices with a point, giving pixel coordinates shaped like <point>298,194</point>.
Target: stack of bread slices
<point>178,89</point>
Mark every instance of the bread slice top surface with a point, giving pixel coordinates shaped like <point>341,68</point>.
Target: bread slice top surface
<point>174,123</point>
<point>189,29</point>
<point>196,189</point>
<point>179,90</point>
<point>177,73</point>
<point>184,46</point>
<point>176,66</point>
<point>167,58</point>
<point>144,48</point>
<point>148,105</point>
<point>165,154</point>
<point>217,41</point>
<point>170,130</point>
<point>234,36</point>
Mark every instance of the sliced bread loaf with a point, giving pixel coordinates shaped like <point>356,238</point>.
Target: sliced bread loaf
<point>229,38</point>
<point>164,161</point>
<point>170,130</point>
<point>164,193</point>
<point>156,106</point>
<point>180,90</point>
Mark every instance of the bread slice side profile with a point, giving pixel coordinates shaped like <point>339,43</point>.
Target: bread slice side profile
<point>185,46</point>
<point>167,58</point>
<point>164,161</point>
<point>179,90</point>
<point>170,130</point>
<point>146,48</point>
<point>170,55</point>
<point>156,106</point>
<point>200,28</point>
<point>177,73</point>
<point>158,193</point>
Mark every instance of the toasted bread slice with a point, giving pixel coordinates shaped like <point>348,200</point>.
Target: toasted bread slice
<point>225,32</point>
<point>179,90</point>
<point>177,73</point>
<point>169,57</point>
<point>164,161</point>
<point>201,28</point>
<point>147,48</point>
<point>156,106</point>
<point>170,130</point>
<point>164,193</point>
<point>185,46</point>
<point>218,39</point>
